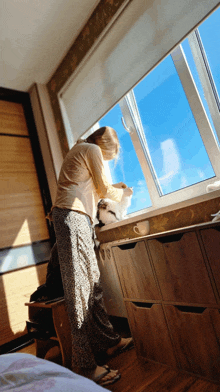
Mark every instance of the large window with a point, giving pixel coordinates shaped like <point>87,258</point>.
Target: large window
<point>168,124</point>
<point>127,167</point>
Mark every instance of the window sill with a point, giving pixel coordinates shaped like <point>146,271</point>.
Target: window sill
<point>151,211</point>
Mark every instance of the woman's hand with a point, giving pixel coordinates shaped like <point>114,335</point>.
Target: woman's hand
<point>128,191</point>
<point>120,185</point>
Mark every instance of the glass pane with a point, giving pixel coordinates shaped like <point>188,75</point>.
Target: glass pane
<point>188,53</point>
<point>127,168</point>
<point>175,145</point>
<point>210,34</point>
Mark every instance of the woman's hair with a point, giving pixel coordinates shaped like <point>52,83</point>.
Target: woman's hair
<point>106,138</point>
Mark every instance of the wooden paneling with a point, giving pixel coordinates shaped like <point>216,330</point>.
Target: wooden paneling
<point>135,272</point>
<point>12,120</point>
<point>112,293</point>
<point>22,226</point>
<point>22,219</point>
<point>185,323</point>
<point>175,219</point>
<point>211,240</point>
<point>17,155</point>
<point>15,289</point>
<point>150,332</point>
<point>180,269</point>
<point>21,208</point>
<point>196,334</point>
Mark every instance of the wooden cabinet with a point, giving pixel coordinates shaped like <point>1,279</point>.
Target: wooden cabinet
<point>112,293</point>
<point>196,335</point>
<point>211,241</point>
<point>180,269</point>
<point>150,332</point>
<point>135,272</point>
<point>171,289</point>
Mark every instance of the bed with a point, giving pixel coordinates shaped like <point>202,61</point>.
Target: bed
<point>20,372</point>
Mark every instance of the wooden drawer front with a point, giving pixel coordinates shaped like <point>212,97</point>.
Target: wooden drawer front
<point>196,335</point>
<point>211,240</point>
<point>150,332</point>
<point>135,272</point>
<point>181,270</point>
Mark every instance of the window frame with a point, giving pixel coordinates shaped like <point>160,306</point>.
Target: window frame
<point>206,78</point>
<point>132,123</point>
<point>57,87</point>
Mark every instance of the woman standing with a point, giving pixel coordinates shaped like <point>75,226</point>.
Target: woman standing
<point>82,182</point>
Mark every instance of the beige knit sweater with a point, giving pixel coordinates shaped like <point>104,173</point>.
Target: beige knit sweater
<point>82,181</point>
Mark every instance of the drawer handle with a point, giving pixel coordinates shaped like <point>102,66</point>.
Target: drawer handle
<point>190,309</point>
<point>147,305</point>
<point>127,246</point>
<point>170,238</point>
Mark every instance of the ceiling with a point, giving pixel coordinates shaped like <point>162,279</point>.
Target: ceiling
<point>35,35</point>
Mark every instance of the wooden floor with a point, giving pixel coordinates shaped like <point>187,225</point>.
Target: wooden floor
<point>149,376</point>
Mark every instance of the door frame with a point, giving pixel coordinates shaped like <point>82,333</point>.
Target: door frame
<point>24,99</point>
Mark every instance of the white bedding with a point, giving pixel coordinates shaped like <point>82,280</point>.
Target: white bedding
<point>24,372</point>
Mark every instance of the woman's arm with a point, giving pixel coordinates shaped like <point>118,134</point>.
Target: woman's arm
<point>96,167</point>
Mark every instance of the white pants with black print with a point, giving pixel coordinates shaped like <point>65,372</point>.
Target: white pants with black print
<point>90,327</point>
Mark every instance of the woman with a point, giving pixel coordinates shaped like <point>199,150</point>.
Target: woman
<point>82,182</point>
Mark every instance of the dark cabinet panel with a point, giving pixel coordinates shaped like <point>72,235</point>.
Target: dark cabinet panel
<point>150,332</point>
<point>180,269</point>
<point>196,335</point>
<point>171,290</point>
<point>135,271</point>
<point>211,240</point>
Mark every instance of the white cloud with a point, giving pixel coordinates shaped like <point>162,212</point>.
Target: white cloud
<point>201,174</point>
<point>184,182</point>
<point>141,183</point>
<point>171,161</point>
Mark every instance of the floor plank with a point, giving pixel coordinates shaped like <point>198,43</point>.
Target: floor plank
<point>153,377</point>
<point>148,376</point>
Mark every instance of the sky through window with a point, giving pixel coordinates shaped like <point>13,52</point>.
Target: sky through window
<point>176,148</point>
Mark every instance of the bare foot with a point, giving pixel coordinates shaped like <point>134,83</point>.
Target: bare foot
<point>122,345</point>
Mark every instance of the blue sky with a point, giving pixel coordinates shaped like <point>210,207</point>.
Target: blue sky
<point>177,152</point>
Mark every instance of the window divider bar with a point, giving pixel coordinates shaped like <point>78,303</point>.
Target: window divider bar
<point>197,107</point>
<point>132,105</point>
<point>207,67</point>
<point>141,154</point>
<point>211,97</point>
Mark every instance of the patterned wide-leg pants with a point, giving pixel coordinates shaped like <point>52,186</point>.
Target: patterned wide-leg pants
<point>90,327</point>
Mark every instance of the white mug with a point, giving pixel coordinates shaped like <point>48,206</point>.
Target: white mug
<point>142,228</point>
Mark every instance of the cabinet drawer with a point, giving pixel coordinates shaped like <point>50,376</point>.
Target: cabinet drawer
<point>196,335</point>
<point>135,271</point>
<point>150,332</point>
<point>181,270</point>
<point>211,240</point>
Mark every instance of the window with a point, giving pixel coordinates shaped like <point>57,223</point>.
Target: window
<point>127,168</point>
<point>168,124</point>
<point>210,36</point>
